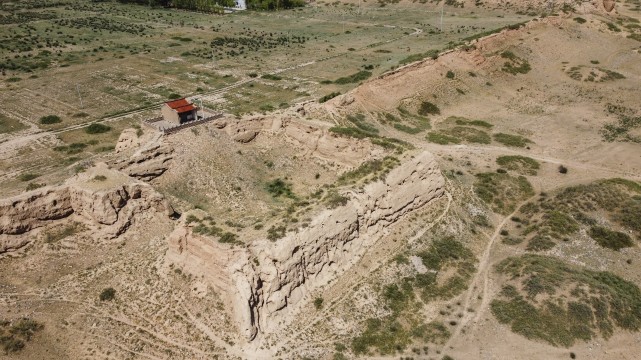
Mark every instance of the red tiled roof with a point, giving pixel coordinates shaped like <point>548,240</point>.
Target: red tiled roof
<point>186,108</point>
<point>181,105</point>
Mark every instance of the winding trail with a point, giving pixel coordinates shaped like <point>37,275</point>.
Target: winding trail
<point>482,276</point>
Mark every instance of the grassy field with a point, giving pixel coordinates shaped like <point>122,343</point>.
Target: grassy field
<point>84,61</point>
<point>120,57</point>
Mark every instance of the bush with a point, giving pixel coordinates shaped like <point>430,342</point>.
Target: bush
<point>333,199</point>
<point>14,335</point>
<point>502,191</point>
<point>563,169</point>
<point>512,140</point>
<point>33,186</point>
<point>610,239</point>
<point>97,128</point>
<point>272,77</point>
<point>354,78</point>
<point>521,164</point>
<point>276,232</point>
<point>318,303</point>
<point>328,97</point>
<point>450,74</point>
<point>50,119</point>
<point>99,178</point>
<point>108,294</point>
<point>28,176</point>
<point>428,108</point>
<point>598,301</point>
<point>279,188</point>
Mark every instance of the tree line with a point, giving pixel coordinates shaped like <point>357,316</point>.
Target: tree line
<point>215,5</point>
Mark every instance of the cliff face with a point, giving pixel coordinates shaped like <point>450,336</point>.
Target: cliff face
<point>111,204</point>
<point>266,281</point>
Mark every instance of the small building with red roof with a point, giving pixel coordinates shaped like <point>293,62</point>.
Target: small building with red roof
<point>179,111</point>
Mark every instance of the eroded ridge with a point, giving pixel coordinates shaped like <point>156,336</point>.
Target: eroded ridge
<point>267,282</point>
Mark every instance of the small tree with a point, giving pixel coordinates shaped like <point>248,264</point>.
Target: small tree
<point>318,303</point>
<point>108,294</point>
<point>563,169</point>
<point>50,119</point>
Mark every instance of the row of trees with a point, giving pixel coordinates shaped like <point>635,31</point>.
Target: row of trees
<point>214,5</point>
<point>194,5</point>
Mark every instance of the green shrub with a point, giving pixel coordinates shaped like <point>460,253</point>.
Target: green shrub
<point>333,199</point>
<point>450,74</point>
<point>99,178</point>
<point>271,77</point>
<point>464,121</point>
<point>28,176</point>
<point>521,164</point>
<point>97,128</point>
<point>580,20</point>
<point>318,303</point>
<point>50,119</point>
<point>599,302</point>
<point>279,187</point>
<point>14,335</point>
<point>432,54</point>
<point>108,294</point>
<point>502,191</point>
<point>512,140</point>
<point>33,186</point>
<point>276,232</point>
<point>428,108</point>
<point>442,139</point>
<point>610,239</point>
<point>540,243</point>
<point>354,78</point>
<point>328,97</point>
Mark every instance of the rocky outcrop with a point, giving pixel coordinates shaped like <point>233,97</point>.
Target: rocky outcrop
<point>267,281</point>
<point>111,203</point>
<point>128,140</point>
<point>147,163</point>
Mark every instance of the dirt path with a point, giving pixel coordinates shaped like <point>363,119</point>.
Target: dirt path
<point>482,276</point>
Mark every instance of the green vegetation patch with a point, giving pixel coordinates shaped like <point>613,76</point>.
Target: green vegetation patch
<point>521,164</point>
<point>328,97</point>
<point>55,235</point>
<point>371,170</point>
<point>459,134</point>
<point>354,78</point>
<point>365,130</point>
<point>533,301</point>
<point>607,238</point>
<point>407,122</point>
<point>459,120</point>
<point>442,139</point>
<point>502,192</point>
<point>50,119</point>
<point>9,125</point>
<point>553,218</point>
<point>514,64</point>
<point>431,54</point>
<point>279,187</point>
<point>451,266</point>
<point>97,128</point>
<point>14,335</point>
<point>619,130</point>
<point>428,108</point>
<point>512,140</point>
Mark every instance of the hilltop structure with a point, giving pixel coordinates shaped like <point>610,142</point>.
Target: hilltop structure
<point>179,111</point>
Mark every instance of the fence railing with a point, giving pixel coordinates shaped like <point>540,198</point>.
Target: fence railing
<point>173,129</point>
